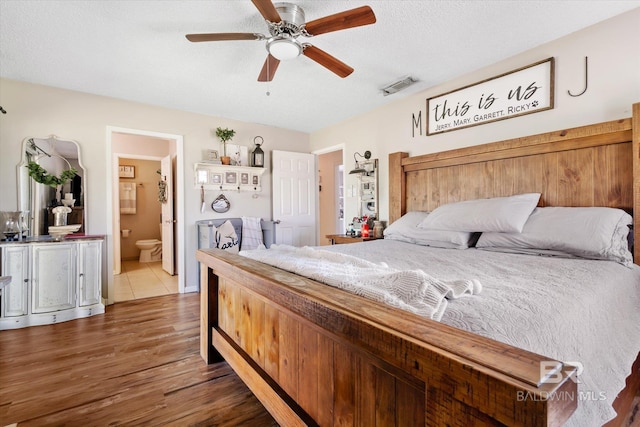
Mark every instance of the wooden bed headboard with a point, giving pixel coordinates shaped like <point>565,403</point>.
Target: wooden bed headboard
<point>595,165</point>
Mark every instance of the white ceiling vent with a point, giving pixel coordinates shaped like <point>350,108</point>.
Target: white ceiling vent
<point>398,86</point>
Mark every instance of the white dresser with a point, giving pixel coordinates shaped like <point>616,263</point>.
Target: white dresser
<point>50,281</point>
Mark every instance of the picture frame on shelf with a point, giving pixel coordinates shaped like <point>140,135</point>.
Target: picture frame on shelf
<point>255,179</point>
<point>215,178</point>
<point>230,177</point>
<point>244,178</point>
<point>211,156</point>
<point>239,154</point>
<point>202,176</point>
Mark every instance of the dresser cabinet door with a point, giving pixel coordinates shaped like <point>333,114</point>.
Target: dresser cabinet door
<point>15,297</point>
<point>53,275</point>
<point>89,272</point>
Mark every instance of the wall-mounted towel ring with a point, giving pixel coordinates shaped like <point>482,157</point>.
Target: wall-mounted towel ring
<point>221,204</point>
<point>586,79</point>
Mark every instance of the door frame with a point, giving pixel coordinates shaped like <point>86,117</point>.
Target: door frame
<point>112,179</point>
<point>326,150</point>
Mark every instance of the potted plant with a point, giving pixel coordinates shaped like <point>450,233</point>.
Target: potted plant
<point>225,135</point>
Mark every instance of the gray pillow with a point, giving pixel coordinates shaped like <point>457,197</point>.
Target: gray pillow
<point>590,232</point>
<point>406,229</point>
<point>499,214</point>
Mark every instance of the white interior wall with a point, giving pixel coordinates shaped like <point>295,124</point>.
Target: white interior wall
<point>39,111</point>
<point>614,85</point>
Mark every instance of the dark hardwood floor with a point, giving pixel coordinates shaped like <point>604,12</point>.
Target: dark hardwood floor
<point>138,364</point>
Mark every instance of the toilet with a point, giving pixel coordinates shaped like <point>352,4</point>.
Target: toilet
<point>150,250</point>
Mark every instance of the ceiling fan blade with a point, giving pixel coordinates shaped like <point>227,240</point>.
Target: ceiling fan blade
<point>341,21</point>
<point>268,69</point>
<point>267,10</point>
<point>214,37</point>
<point>329,62</point>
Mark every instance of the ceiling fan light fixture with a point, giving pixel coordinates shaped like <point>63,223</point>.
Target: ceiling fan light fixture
<point>283,48</point>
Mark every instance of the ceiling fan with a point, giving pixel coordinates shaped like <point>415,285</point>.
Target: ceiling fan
<point>286,23</point>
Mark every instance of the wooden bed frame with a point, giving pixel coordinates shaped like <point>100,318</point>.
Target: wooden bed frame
<point>319,357</point>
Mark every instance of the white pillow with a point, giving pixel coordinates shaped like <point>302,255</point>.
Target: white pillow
<point>226,238</point>
<point>500,214</point>
<point>594,233</point>
<point>406,229</point>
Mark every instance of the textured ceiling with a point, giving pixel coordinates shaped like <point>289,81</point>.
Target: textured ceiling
<point>136,50</point>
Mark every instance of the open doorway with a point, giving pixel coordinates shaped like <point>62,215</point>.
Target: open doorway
<point>331,193</point>
<point>146,261</point>
<point>146,213</point>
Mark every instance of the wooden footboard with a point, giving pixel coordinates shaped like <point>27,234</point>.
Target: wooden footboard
<point>316,355</point>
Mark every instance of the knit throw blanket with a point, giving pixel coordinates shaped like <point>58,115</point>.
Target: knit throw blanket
<point>410,290</point>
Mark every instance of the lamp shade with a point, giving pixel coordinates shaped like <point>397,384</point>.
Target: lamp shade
<point>283,48</point>
<point>359,169</point>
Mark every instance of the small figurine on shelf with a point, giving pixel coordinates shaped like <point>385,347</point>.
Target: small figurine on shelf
<point>350,230</point>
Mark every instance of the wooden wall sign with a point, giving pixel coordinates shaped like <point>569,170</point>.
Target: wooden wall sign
<point>523,91</point>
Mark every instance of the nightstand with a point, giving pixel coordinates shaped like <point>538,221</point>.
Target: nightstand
<point>338,239</point>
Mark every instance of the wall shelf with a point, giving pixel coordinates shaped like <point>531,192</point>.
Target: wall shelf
<point>225,177</point>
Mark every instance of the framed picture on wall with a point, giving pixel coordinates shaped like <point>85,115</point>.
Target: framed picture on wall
<point>230,177</point>
<point>244,178</point>
<point>216,178</point>
<point>202,176</point>
<point>127,171</point>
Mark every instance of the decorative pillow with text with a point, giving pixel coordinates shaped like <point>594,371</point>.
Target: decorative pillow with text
<point>226,238</point>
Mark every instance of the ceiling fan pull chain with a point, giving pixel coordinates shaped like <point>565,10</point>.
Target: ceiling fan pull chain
<point>269,80</point>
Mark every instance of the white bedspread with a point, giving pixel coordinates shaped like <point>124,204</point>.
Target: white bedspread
<point>411,290</point>
<point>568,309</point>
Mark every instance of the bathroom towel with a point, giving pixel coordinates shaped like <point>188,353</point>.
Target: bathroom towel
<point>251,233</point>
<point>127,198</point>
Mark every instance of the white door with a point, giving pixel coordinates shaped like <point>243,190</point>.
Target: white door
<point>294,183</point>
<point>168,223</point>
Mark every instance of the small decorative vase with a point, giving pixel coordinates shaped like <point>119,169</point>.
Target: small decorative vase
<point>226,160</point>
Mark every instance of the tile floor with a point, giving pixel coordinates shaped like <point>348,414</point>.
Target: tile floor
<point>143,280</point>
